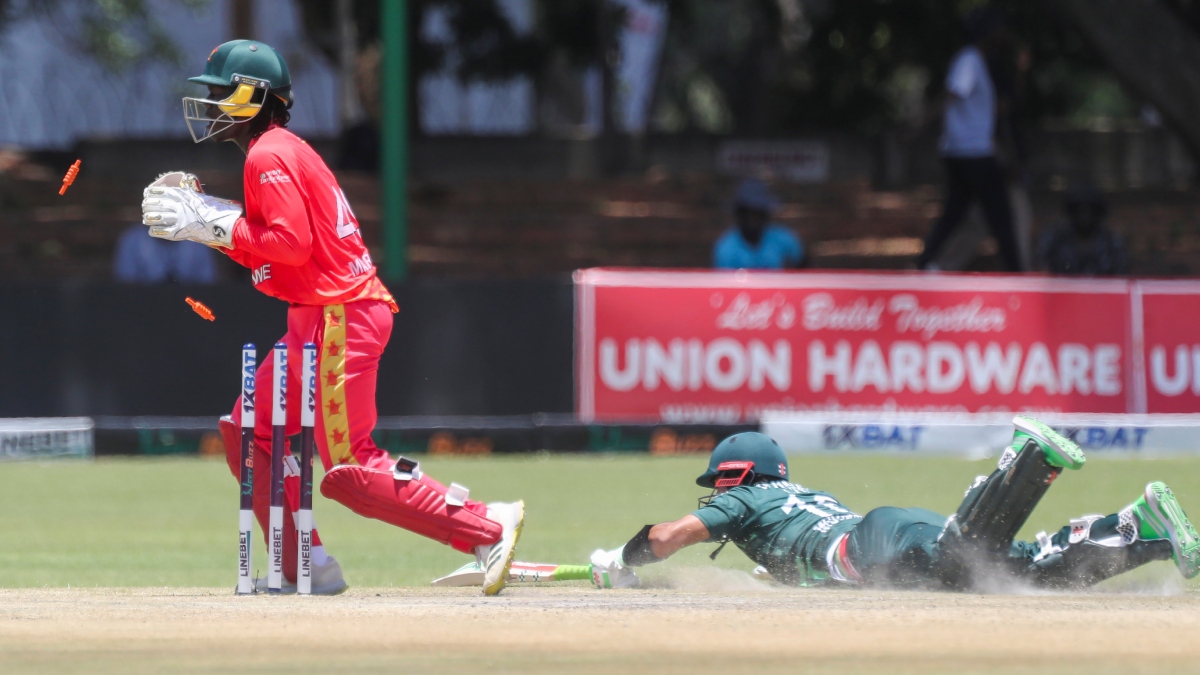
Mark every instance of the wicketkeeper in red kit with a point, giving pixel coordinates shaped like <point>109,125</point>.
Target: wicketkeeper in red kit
<point>301,240</point>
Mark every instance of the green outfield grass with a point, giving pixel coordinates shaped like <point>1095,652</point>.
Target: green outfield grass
<point>172,522</point>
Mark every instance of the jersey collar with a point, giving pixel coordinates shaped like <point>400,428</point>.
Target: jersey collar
<point>270,128</point>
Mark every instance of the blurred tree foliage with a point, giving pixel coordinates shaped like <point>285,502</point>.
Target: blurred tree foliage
<point>1188,11</point>
<point>771,66</point>
<point>485,46</point>
<point>861,65</point>
<point>1153,47</point>
<point>747,66</point>
<point>117,33</point>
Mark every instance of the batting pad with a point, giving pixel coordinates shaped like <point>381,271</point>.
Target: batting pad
<point>417,505</point>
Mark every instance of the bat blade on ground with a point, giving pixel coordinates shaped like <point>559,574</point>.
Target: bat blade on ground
<point>521,572</point>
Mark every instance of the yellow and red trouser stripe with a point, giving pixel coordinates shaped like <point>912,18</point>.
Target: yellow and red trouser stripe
<point>332,367</point>
<point>352,338</point>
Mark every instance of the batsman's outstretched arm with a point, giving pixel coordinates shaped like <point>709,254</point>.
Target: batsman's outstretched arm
<point>667,538</point>
<point>654,543</point>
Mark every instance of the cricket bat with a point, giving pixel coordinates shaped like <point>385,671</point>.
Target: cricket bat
<point>471,574</point>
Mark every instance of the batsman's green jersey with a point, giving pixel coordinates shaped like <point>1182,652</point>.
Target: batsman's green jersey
<point>782,526</point>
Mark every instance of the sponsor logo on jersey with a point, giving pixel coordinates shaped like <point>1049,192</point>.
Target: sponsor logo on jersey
<point>273,176</point>
<point>261,274</point>
<point>826,524</point>
<point>794,488</point>
<point>361,265</point>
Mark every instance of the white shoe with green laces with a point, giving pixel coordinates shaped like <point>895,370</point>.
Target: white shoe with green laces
<point>1160,517</point>
<point>1058,450</point>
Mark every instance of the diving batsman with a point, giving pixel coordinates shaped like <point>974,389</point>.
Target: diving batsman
<point>301,241</point>
<point>806,537</point>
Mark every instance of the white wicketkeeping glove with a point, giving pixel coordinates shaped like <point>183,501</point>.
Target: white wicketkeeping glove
<point>181,179</point>
<point>174,208</point>
<point>609,572</point>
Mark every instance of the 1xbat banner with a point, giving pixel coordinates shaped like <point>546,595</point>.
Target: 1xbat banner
<point>725,346</point>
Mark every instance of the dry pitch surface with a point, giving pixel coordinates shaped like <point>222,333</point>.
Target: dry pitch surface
<point>578,629</point>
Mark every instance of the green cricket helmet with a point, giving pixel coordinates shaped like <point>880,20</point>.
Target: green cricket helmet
<point>739,459</point>
<point>254,70</point>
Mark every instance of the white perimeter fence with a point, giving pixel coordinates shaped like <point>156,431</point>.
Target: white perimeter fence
<point>978,435</point>
<point>970,436</point>
<point>46,437</point>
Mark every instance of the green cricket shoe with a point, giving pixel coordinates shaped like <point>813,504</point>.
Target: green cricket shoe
<point>1059,450</point>
<point>1160,517</point>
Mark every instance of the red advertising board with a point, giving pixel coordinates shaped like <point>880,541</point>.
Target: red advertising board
<point>1170,335</point>
<point>723,346</point>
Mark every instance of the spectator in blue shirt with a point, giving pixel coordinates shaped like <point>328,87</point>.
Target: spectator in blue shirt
<point>754,242</point>
<point>142,259</point>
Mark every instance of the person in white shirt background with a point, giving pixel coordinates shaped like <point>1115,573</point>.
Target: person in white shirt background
<point>968,146</point>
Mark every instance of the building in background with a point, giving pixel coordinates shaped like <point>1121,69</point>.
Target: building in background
<point>450,106</point>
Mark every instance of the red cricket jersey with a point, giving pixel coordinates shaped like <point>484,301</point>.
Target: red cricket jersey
<point>299,236</point>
